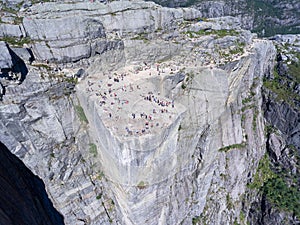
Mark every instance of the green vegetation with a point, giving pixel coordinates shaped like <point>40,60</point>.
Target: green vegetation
<point>93,149</point>
<point>275,188</point>
<point>262,174</point>
<point>8,10</point>
<point>141,36</point>
<point>269,129</point>
<point>71,80</point>
<point>18,42</point>
<point>81,114</point>
<point>229,202</point>
<point>265,25</point>
<point>202,19</point>
<point>243,118</point>
<point>238,48</point>
<point>141,185</point>
<point>45,66</point>
<point>246,100</point>
<point>255,114</point>
<point>218,33</point>
<point>294,68</point>
<point>18,20</point>
<point>281,88</point>
<point>234,146</point>
<point>283,196</point>
<point>99,196</point>
<point>100,175</point>
<point>242,217</point>
<point>196,220</point>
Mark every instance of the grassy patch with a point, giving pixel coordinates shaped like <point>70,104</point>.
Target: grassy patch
<point>196,220</point>
<point>81,114</point>
<point>8,10</point>
<point>71,80</point>
<point>247,100</point>
<point>18,20</point>
<point>294,68</point>
<point>141,185</point>
<point>141,36</point>
<point>229,202</point>
<point>275,188</point>
<point>234,146</point>
<point>262,174</point>
<point>18,42</point>
<point>93,149</point>
<point>100,175</point>
<point>285,197</point>
<point>218,33</point>
<point>281,89</point>
<point>45,66</point>
<point>255,114</point>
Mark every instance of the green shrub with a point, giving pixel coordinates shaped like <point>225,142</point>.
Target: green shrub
<point>81,114</point>
<point>14,41</point>
<point>98,196</point>
<point>196,220</point>
<point>283,196</point>
<point>234,146</point>
<point>141,185</point>
<point>275,188</point>
<point>93,149</point>
<point>262,174</point>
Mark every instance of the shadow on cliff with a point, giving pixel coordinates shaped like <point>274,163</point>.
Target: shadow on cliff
<point>19,66</point>
<point>23,198</point>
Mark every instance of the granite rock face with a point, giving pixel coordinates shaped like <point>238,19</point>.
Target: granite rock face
<point>164,124</point>
<point>5,57</point>
<point>265,17</point>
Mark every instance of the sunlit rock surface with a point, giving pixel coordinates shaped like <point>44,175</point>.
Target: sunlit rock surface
<point>133,113</point>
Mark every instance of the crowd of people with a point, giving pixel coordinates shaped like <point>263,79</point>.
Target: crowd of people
<point>129,101</point>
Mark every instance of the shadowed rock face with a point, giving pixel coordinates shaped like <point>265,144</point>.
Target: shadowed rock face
<point>23,198</point>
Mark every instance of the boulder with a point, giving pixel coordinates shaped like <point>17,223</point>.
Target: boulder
<point>24,53</point>
<point>5,57</point>
<point>10,30</point>
<point>66,28</point>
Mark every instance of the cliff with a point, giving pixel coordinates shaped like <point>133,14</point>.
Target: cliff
<point>265,17</point>
<point>132,113</point>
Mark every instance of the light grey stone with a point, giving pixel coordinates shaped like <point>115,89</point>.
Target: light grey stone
<point>10,30</point>
<point>5,57</point>
<point>189,166</point>
<point>24,54</point>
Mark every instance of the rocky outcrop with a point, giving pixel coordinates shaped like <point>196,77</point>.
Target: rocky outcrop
<point>267,18</point>
<point>165,124</point>
<point>23,196</point>
<point>78,32</point>
<point>278,197</point>
<point>5,57</point>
